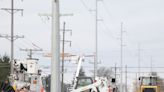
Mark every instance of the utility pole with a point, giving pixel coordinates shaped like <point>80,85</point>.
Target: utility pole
<point>30,52</point>
<point>12,34</point>
<point>62,89</point>
<point>121,57</point>
<point>115,70</point>
<point>139,59</point>
<point>96,39</point>
<point>12,37</point>
<point>55,48</point>
<point>151,64</point>
<point>126,84</point>
<point>63,51</point>
<point>63,42</point>
<point>137,83</point>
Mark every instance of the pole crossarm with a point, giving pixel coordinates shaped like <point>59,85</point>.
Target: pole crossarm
<point>15,10</point>
<point>67,41</point>
<point>9,37</point>
<point>31,51</point>
<point>49,14</point>
<point>67,30</point>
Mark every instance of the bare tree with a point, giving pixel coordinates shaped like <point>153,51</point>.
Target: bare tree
<point>82,72</point>
<point>104,72</point>
<point>160,81</point>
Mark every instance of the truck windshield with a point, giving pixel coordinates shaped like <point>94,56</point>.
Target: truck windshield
<point>149,81</point>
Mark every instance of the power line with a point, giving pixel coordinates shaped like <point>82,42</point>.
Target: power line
<point>107,29</point>
<point>140,67</point>
<point>25,43</point>
<point>32,43</point>
<point>141,72</point>
<point>86,7</point>
<point>106,9</point>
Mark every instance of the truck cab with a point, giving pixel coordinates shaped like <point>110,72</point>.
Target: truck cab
<point>149,84</point>
<point>83,81</point>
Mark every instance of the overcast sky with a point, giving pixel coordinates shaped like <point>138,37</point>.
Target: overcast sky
<point>142,22</point>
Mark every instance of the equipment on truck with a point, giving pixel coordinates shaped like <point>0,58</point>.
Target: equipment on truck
<point>149,84</point>
<point>100,85</point>
<point>26,75</point>
<point>86,84</point>
<point>81,81</point>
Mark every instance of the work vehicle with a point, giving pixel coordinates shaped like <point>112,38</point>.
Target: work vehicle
<point>149,84</point>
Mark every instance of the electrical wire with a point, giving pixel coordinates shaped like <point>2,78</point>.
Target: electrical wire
<point>106,9</point>
<point>86,7</point>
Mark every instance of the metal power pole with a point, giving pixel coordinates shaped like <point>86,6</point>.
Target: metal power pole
<point>96,40</point>
<point>139,60</point>
<point>12,37</point>
<point>115,69</point>
<point>12,34</point>
<point>55,48</point>
<point>126,82</point>
<point>121,58</point>
<point>62,90</point>
<point>63,42</point>
<point>151,64</point>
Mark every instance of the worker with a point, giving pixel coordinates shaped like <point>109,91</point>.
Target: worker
<point>6,86</point>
